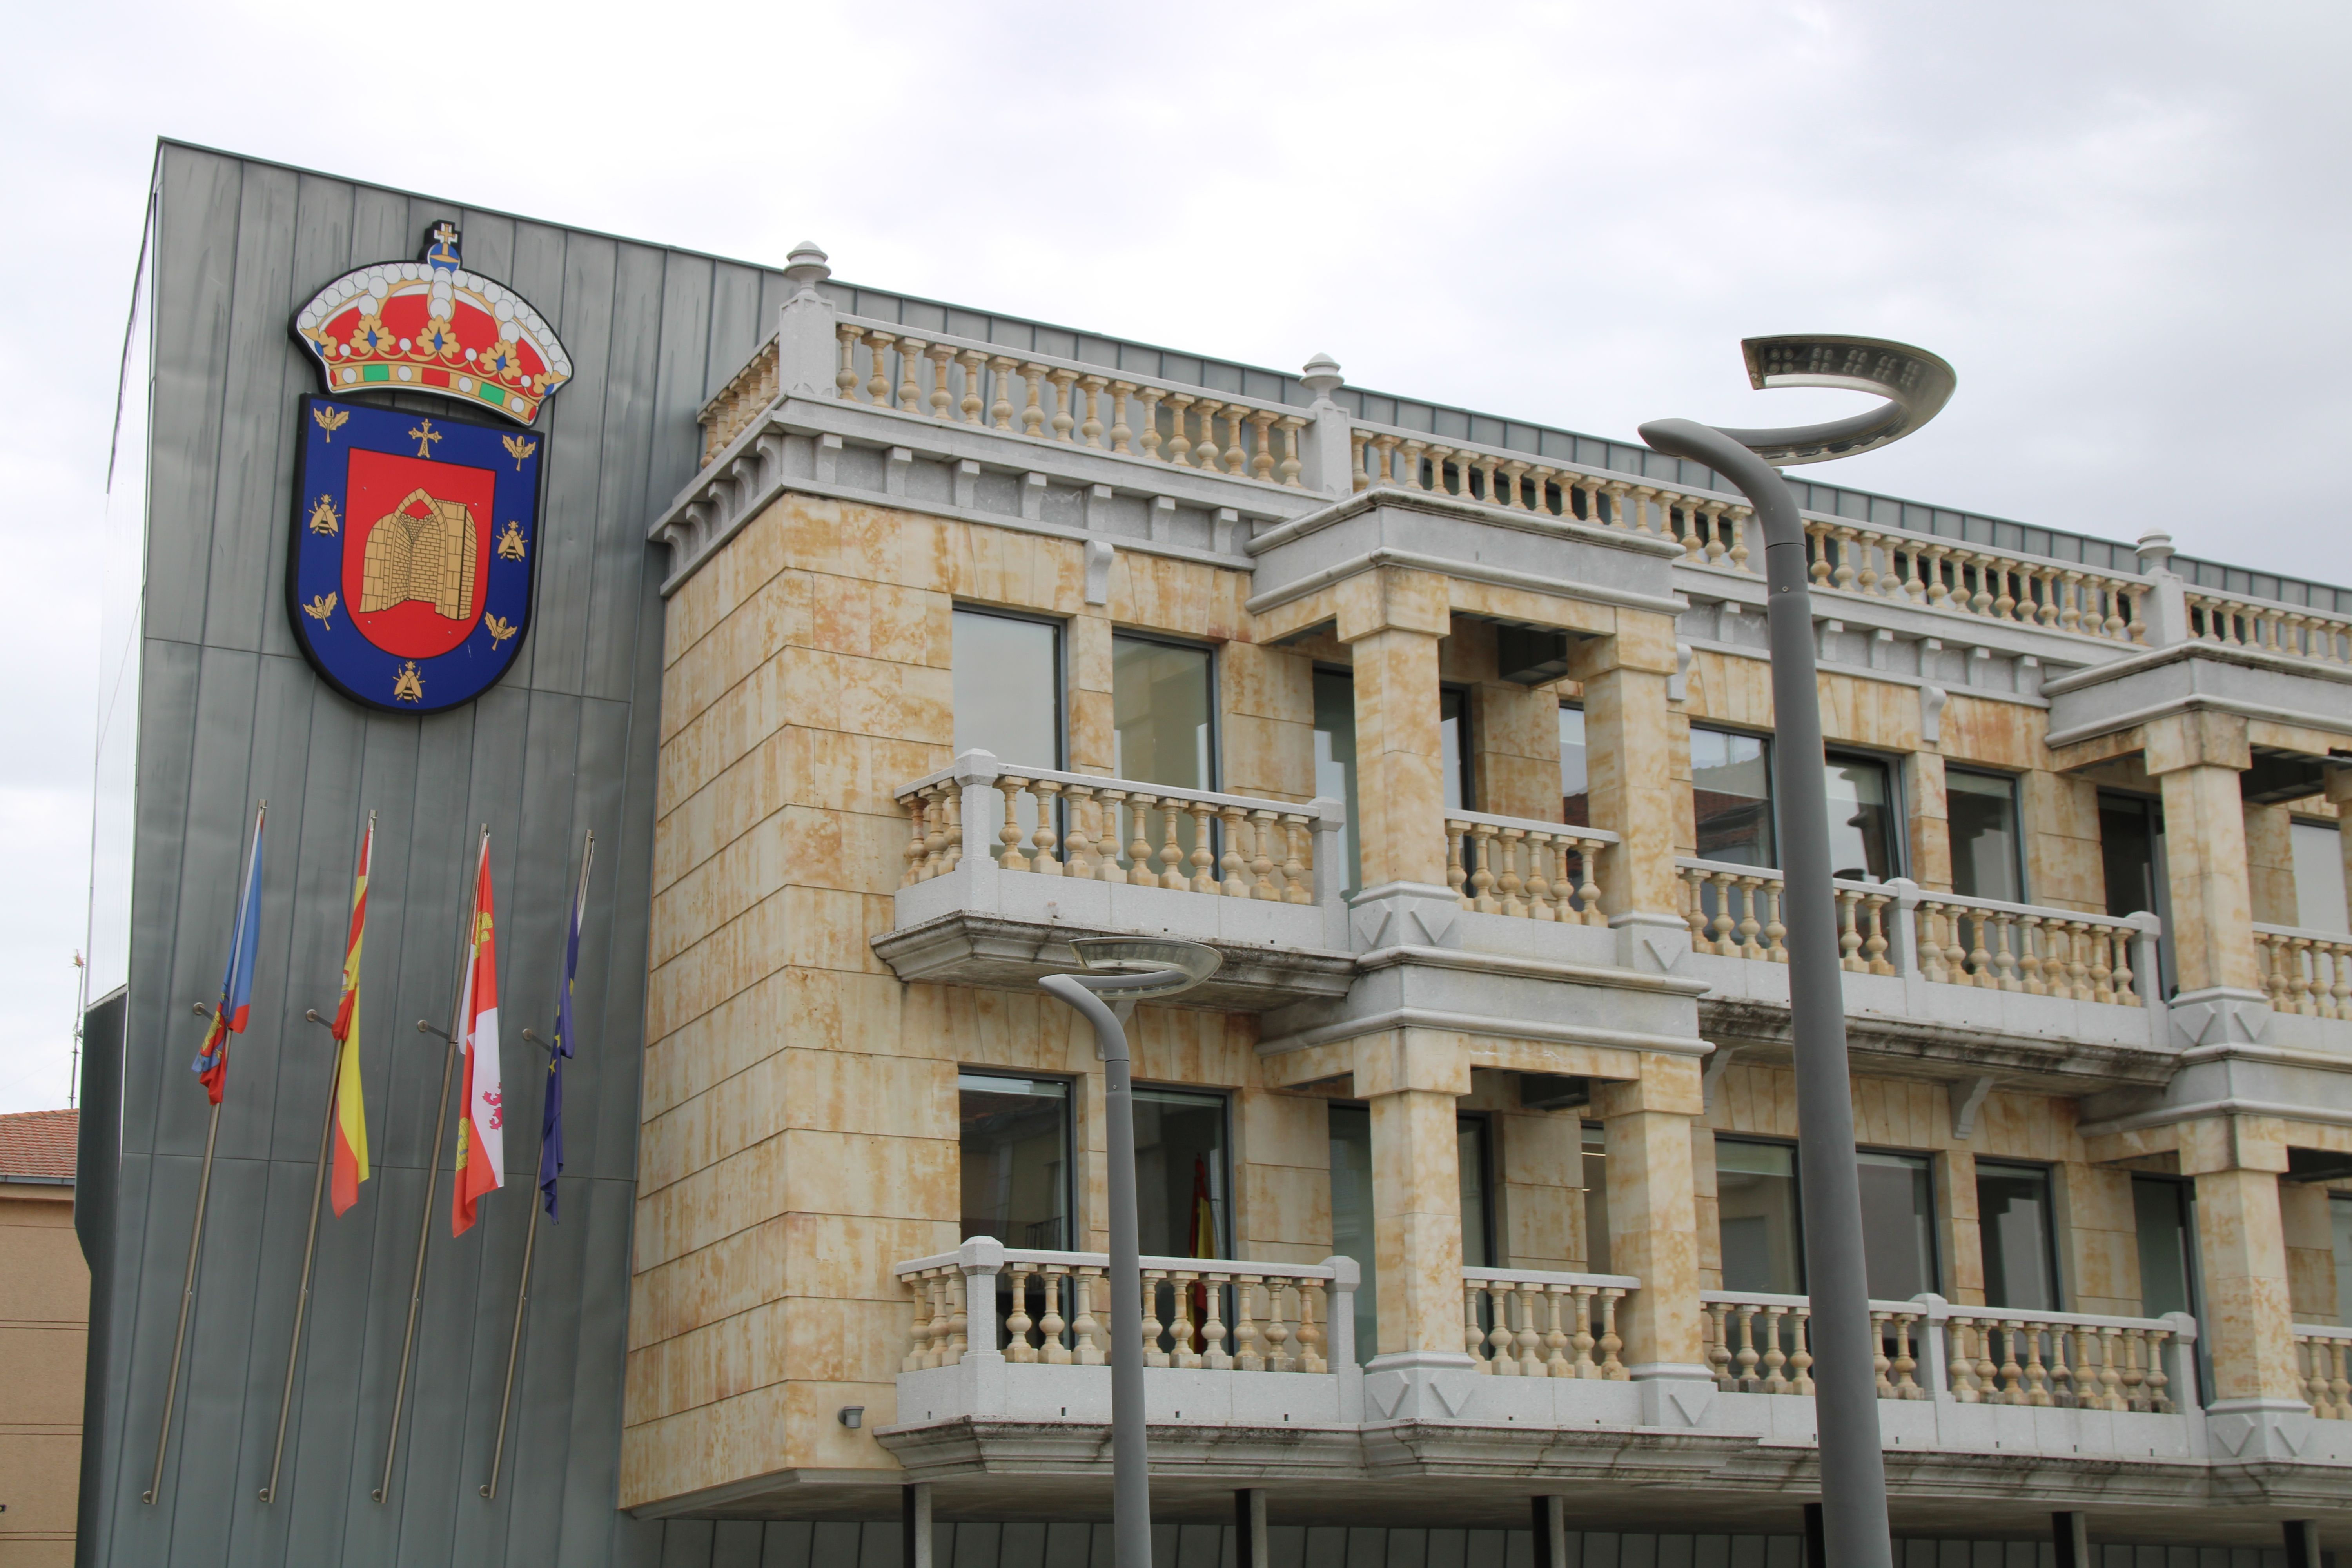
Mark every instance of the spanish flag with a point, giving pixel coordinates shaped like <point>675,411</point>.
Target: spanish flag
<point>350,1113</point>
<point>481,1146</point>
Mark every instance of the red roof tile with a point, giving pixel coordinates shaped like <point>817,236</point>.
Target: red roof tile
<point>37,1143</point>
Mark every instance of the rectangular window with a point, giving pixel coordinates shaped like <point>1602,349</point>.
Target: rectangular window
<point>1008,702</point>
<point>1453,748</point>
<point>1575,788</point>
<point>1762,1236</point>
<point>2319,876</point>
<point>1863,845</point>
<point>1351,1215</point>
<point>1983,809</point>
<point>1016,1158</point>
<point>2160,1214</point>
<point>2131,828</point>
<point>2339,1215</point>
<point>1477,1210</point>
<point>1335,756</point>
<point>1596,1198</point>
<point>1163,696</point>
<point>2015,1220</point>
<point>1182,1205</point>
<point>1898,1225</point>
<point>1731,796</point>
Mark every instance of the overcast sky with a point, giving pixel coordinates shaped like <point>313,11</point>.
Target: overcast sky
<point>2124,223</point>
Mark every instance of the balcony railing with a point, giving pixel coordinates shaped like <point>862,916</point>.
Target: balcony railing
<point>1735,911</point>
<point>2308,972</point>
<point>1524,869</point>
<point>2229,621</point>
<point>2322,1358</point>
<point>1519,1324</point>
<point>1053,1308</point>
<point>1930,1348</point>
<point>1267,852</point>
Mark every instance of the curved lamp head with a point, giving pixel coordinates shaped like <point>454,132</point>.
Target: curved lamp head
<point>1143,969</point>
<point>1915,383</point>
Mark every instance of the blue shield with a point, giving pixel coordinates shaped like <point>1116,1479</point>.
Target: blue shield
<point>415,540</point>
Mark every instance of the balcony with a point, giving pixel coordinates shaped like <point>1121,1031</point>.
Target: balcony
<point>1251,1368</point>
<point>1083,855</point>
<point>1972,983</point>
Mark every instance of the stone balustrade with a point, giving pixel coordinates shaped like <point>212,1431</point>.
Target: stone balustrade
<point>2295,631</point>
<point>961,380</point>
<point>1095,828</point>
<point>1524,869</point>
<point>2023,947</point>
<point>1972,579</point>
<point>2322,1358</point>
<point>1930,1348</point>
<point>2068,1360</point>
<point>1520,1323</point>
<point>2307,972</point>
<point>1053,1308</point>
<point>1735,911</point>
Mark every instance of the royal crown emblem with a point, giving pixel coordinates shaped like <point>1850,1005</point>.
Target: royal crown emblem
<point>409,581</point>
<point>432,326</point>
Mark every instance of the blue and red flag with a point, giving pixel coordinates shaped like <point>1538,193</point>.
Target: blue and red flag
<point>211,1064</point>
<point>550,1114</point>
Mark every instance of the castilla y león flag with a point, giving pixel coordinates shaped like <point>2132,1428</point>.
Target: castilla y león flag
<point>235,1004</point>
<point>481,1147</point>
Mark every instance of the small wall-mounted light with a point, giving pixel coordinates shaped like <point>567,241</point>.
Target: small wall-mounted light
<point>851,1415</point>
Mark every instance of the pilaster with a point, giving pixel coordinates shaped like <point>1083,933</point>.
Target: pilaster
<point>2196,758</point>
<point>2249,1313</point>
<point>1629,755</point>
<point>1653,1215</point>
<point>1929,824</point>
<point>1392,618</point>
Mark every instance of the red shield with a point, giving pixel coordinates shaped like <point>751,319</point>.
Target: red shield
<point>416,558</point>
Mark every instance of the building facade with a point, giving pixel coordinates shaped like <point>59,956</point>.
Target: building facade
<point>44,1319</point>
<point>928,639</point>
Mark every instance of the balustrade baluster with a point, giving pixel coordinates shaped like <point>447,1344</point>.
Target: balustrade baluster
<point>1050,1326</point>
<point>1085,1328</point>
<point>1718,1347</point>
<point>1138,850</point>
<point>1482,879</point>
<point>1881,1363</point>
<point>1556,1360</point>
<point>1179,1330</point>
<point>1295,834</point>
<point>1150,1325</point>
<point>1033,413</point>
<point>1612,1368</point>
<point>1750,926</point>
<point>1849,939</point>
<point>1122,438</point>
<point>1474,1336</point>
<point>1874,948</point>
<point>1045,863</point>
<point>943,398</point>
<point>1010,835</point>
<point>1290,425</point>
<point>1213,1354</point>
<point>877,373</point>
<point>1775,1358</point>
<point>1456,876</point>
<point>1247,1357</point>
<point>1203,858</point>
<point>1309,1336</point>
<point>1511,882</point>
<point>1262,857</point>
<point>1906,1384</point>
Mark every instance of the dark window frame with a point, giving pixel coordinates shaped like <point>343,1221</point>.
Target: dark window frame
<point>1465,742</point>
<point>1898,840</point>
<point>1925,1157</point>
<point>1795,1189</point>
<point>1771,777</point>
<point>1489,1166</point>
<point>1070,1103</point>
<point>2059,1284</point>
<point>1230,1220</point>
<point>1061,681</point>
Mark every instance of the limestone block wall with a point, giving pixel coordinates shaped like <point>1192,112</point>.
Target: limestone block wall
<point>2310,1252</point>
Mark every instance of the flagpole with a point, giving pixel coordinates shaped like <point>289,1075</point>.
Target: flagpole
<point>309,1250</point>
<point>523,1299</point>
<point>204,1191</point>
<point>530,1231</point>
<point>187,1298</point>
<point>431,1180</point>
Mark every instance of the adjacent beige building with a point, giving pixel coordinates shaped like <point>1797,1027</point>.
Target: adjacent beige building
<point>1470,1177</point>
<point>44,1325</point>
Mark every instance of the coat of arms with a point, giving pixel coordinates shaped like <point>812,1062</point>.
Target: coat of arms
<point>415,537</point>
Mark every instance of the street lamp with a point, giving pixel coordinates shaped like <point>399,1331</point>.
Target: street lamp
<point>1126,970</point>
<point>1916,385</point>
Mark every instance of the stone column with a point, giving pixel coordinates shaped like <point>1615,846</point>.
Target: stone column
<point>1540,1171</point>
<point>2305,1225</point>
<point>1391,619</point>
<point>2196,758</point>
<point>1517,732</point>
<point>1629,757</point>
<point>2249,1317</point>
<point>2270,864</point>
<point>2340,794</point>
<point>1412,1079</point>
<point>1654,1233</point>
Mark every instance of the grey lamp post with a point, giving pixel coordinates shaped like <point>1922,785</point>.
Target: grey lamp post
<point>1126,971</point>
<point>1916,385</point>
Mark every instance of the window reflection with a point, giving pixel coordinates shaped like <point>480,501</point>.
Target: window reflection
<point>1182,1205</point>
<point>1016,1158</point>
<point>1335,756</point>
<point>2319,876</point>
<point>1898,1225</point>
<point>1008,702</point>
<point>1575,785</point>
<point>1982,811</point>
<point>1596,1198</point>
<point>1862,819</point>
<point>1477,1211</point>
<point>1756,1195</point>
<point>1731,796</point>
<point>2013,1218</point>
<point>1453,748</point>
<point>2160,1215</point>
<point>1351,1215</point>
<point>1161,698</point>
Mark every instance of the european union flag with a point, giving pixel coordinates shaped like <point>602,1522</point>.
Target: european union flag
<point>551,1115</point>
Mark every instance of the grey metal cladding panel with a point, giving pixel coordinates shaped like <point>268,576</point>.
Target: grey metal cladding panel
<point>617,767</point>
<point>734,326</point>
<point>240,586</point>
<point>678,368</point>
<point>626,581</point>
<point>196,261</point>
<point>555,647</point>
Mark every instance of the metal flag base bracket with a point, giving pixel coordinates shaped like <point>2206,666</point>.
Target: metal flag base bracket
<point>1916,385</point>
<point>1125,971</point>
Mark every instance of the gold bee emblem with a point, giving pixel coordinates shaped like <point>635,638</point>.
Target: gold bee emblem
<point>321,607</point>
<point>518,448</point>
<point>499,630</point>
<point>511,542</point>
<point>322,516</point>
<point>329,420</point>
<point>410,687</point>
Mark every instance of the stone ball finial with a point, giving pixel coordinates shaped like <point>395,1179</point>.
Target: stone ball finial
<point>2155,551</point>
<point>805,268</point>
<point>1322,376</point>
